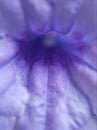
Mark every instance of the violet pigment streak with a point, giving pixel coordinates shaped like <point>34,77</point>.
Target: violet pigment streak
<point>48,67</point>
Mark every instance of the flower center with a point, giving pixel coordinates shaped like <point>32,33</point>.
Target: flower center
<point>49,49</point>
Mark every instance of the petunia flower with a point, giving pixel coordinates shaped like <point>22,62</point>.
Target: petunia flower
<point>48,66</point>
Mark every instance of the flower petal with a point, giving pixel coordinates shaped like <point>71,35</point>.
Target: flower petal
<point>64,14</point>
<point>6,123</point>
<point>7,78</point>
<point>13,102</point>
<point>12,21</point>
<point>86,21</point>
<point>90,54</point>
<point>86,82</point>
<point>63,102</point>
<point>8,50</point>
<point>52,96</point>
<point>37,14</point>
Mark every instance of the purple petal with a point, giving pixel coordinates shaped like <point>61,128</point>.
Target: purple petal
<point>52,104</point>
<point>7,78</point>
<point>37,14</point>
<point>58,95</point>
<point>12,21</point>
<point>64,14</point>
<point>86,20</point>
<point>90,54</point>
<point>85,80</point>
<point>8,50</point>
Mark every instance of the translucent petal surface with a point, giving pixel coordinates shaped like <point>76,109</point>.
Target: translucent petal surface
<point>11,17</point>
<point>64,14</point>
<point>86,20</point>
<point>8,50</point>
<point>49,96</point>
<point>7,78</point>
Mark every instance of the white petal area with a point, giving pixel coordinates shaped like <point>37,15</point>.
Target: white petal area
<point>7,78</point>
<point>64,14</point>
<point>85,80</point>
<point>14,101</point>
<point>38,100</point>
<point>34,116</point>
<point>8,50</point>
<point>12,21</point>
<point>7,123</point>
<point>86,21</point>
<point>53,102</point>
<point>37,14</point>
<point>66,109</point>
